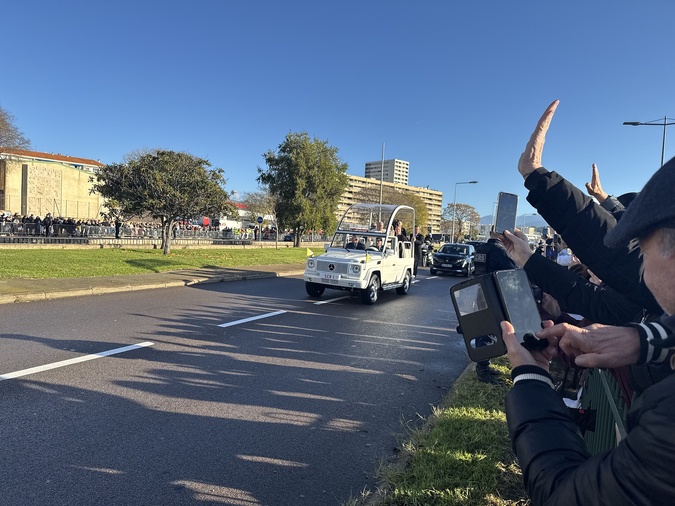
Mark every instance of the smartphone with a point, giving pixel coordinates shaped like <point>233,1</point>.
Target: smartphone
<point>519,303</point>
<point>484,301</point>
<point>507,209</point>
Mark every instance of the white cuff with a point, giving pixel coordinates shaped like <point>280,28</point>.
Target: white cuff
<point>532,376</point>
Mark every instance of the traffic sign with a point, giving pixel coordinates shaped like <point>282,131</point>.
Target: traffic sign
<point>260,219</point>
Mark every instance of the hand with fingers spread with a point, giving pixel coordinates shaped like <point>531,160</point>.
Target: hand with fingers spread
<point>519,355</point>
<point>594,188</point>
<point>517,245</point>
<point>530,160</point>
<point>596,345</point>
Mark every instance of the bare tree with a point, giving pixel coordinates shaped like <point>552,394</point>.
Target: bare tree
<point>10,135</point>
<point>463,215</point>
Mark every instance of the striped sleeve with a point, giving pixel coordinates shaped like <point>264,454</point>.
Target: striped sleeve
<point>657,343</point>
<point>530,372</point>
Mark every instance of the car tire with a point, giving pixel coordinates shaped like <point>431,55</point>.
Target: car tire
<point>432,271</point>
<point>370,293</point>
<point>314,289</point>
<point>405,287</point>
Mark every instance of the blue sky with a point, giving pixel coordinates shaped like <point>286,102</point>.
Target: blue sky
<point>455,88</point>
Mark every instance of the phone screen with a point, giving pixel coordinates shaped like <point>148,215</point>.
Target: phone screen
<point>507,207</point>
<point>521,309</point>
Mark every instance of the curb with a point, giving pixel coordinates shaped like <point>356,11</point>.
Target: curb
<point>100,290</point>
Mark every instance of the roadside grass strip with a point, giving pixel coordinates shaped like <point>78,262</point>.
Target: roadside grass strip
<point>462,455</point>
<point>72,361</point>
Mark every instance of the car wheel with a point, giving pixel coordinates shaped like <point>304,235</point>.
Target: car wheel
<point>370,293</point>
<point>405,287</point>
<point>432,271</point>
<point>314,289</point>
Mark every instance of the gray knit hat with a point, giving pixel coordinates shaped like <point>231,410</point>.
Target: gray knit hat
<point>654,207</point>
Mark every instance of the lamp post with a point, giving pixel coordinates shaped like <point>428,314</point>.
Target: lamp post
<point>522,222</point>
<point>657,122</point>
<point>454,206</point>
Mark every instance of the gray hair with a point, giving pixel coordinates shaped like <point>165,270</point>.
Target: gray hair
<point>666,242</point>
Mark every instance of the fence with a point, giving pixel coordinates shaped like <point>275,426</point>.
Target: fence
<point>602,393</point>
<point>65,230</point>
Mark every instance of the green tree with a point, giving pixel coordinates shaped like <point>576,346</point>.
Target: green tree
<point>464,217</point>
<point>167,185</point>
<point>307,179</point>
<point>10,135</point>
<point>371,195</point>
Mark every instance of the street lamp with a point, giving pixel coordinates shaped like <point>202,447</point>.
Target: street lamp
<point>522,222</point>
<point>656,122</point>
<point>454,206</point>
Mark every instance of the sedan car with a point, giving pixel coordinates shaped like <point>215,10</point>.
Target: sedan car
<point>454,259</point>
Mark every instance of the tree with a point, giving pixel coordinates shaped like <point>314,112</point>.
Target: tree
<point>307,179</point>
<point>462,215</point>
<point>168,185</point>
<point>10,135</point>
<point>371,195</point>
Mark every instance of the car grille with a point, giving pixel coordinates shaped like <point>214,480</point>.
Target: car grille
<point>339,268</point>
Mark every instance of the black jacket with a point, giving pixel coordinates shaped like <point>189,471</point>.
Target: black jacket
<point>577,295</point>
<point>557,469</point>
<point>583,225</point>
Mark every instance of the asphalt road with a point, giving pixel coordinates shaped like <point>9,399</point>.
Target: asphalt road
<point>296,407</point>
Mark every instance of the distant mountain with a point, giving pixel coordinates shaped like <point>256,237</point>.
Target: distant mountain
<point>527,220</point>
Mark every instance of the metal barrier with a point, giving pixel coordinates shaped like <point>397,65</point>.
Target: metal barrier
<point>602,393</point>
<point>135,232</point>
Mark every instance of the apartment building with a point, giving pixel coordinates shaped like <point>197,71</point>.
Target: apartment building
<point>432,198</point>
<point>391,171</point>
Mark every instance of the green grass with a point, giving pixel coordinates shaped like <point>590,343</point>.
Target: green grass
<point>461,456</point>
<point>58,263</point>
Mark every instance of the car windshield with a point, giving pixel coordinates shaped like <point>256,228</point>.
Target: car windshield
<point>454,249</point>
<point>360,242</point>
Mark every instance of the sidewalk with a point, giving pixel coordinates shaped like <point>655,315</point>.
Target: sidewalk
<point>27,290</point>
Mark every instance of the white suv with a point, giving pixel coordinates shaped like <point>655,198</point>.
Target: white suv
<point>367,254</point>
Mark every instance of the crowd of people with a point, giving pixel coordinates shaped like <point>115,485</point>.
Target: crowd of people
<point>609,303</point>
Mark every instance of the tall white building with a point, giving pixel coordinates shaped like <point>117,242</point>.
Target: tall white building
<point>391,171</point>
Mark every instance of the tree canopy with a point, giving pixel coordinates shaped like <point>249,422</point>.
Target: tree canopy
<point>307,179</point>
<point>167,185</point>
<point>462,214</point>
<point>10,135</point>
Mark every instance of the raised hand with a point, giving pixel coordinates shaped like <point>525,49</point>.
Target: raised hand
<point>594,188</point>
<point>530,160</point>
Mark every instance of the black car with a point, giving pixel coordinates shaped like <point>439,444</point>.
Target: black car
<point>454,259</point>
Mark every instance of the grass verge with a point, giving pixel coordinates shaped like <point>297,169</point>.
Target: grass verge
<point>41,264</point>
<point>462,456</point>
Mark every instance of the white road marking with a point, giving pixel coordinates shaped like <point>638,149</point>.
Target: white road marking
<point>252,318</point>
<point>432,277</point>
<point>72,361</point>
<point>331,300</point>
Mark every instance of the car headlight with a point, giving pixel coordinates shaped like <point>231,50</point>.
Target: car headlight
<point>311,263</point>
<point>354,268</point>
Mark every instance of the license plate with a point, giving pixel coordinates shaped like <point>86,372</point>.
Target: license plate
<point>480,258</point>
<point>447,265</point>
<point>331,276</point>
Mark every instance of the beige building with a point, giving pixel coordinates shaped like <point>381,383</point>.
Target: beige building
<point>392,171</point>
<point>432,198</point>
<point>40,183</point>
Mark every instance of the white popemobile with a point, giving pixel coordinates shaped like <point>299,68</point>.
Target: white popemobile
<point>366,254</point>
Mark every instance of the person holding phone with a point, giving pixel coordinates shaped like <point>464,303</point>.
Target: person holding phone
<point>557,467</point>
